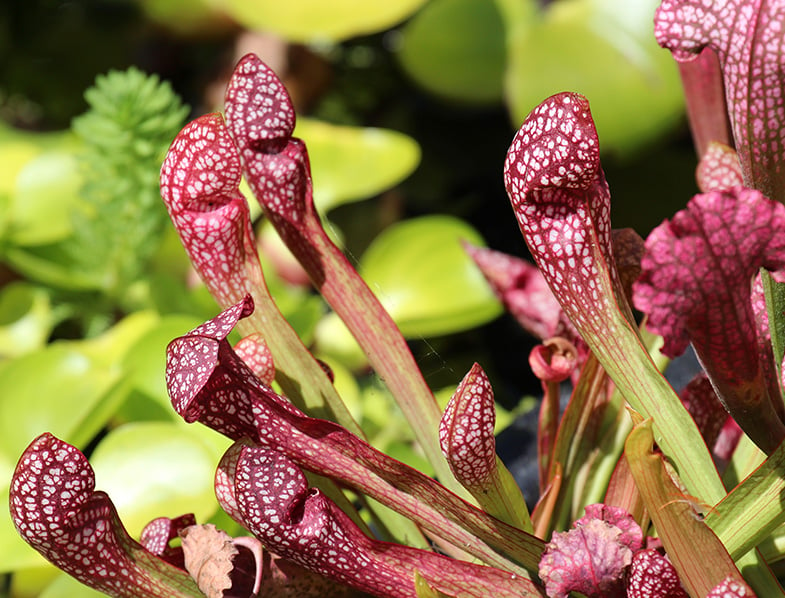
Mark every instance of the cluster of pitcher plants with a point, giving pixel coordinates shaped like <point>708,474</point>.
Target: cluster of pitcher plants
<point>643,492</point>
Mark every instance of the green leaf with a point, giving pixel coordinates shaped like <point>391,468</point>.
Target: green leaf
<point>58,389</point>
<point>425,279</point>
<point>51,265</point>
<point>67,388</point>
<point>111,347</point>
<point>775,306</point>
<point>26,319</point>
<point>65,586</point>
<point>18,147</point>
<point>188,17</point>
<point>334,340</point>
<point>315,20</point>
<point>15,153</point>
<point>753,509</point>
<point>46,193</point>
<point>157,469</point>
<point>701,560</point>
<point>352,163</point>
<point>455,49</point>
<point>605,50</point>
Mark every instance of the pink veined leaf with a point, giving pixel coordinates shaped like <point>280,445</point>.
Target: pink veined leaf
<point>466,430</point>
<point>593,557</point>
<point>747,38</point>
<point>519,285</point>
<point>696,280</point>
<point>224,480</point>
<point>467,440</point>
<point>304,526</point>
<point>259,107</point>
<point>200,180</point>
<point>157,535</point>
<point>561,200</point>
<point>190,366</point>
<point>631,533</point>
<point>653,576</point>
<point>209,383</point>
<point>718,169</point>
<point>56,509</point>
<point>763,335</point>
<point>261,118</point>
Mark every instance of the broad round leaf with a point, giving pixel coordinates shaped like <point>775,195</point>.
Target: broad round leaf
<point>26,319</point>
<point>58,389</point>
<point>65,586</point>
<point>333,339</point>
<point>455,49</point>
<point>111,348</point>
<point>604,50</point>
<point>187,17</point>
<point>353,163</point>
<point>51,265</point>
<point>46,191</point>
<point>156,469</point>
<point>311,20</point>
<point>15,153</point>
<point>425,279</point>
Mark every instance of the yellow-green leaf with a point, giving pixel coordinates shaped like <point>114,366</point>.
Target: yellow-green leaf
<point>313,20</point>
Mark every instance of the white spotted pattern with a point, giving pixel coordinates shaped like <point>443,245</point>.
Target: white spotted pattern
<point>157,534</point>
<point>305,526</point>
<point>561,200</point>
<point>749,39</point>
<point>200,181</point>
<point>219,390</point>
<point>261,118</point>
<point>731,588</point>
<point>719,169</point>
<point>55,509</point>
<point>652,575</point>
<point>253,350</point>
<point>466,431</point>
